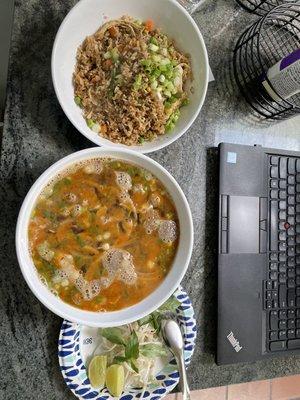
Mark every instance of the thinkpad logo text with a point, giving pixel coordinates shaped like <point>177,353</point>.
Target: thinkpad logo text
<point>234,342</point>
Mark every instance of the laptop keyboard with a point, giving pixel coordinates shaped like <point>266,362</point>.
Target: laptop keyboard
<point>282,289</point>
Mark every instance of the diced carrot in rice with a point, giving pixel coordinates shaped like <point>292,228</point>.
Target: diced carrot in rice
<point>149,25</point>
<point>113,31</point>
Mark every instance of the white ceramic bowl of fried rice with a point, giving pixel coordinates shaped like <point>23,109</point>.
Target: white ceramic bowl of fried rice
<point>170,17</point>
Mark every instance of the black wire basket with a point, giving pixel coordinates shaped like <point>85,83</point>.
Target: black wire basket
<point>261,7</point>
<point>260,47</point>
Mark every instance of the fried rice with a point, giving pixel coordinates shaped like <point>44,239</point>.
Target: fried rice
<point>130,81</point>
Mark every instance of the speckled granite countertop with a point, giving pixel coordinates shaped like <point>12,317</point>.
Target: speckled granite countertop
<point>36,134</point>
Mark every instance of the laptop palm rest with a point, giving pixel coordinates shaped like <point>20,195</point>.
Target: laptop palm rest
<point>243,225</point>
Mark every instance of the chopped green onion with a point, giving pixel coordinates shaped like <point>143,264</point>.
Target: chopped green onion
<point>153,40</point>
<point>114,54</point>
<point>141,140</point>
<point>167,93</point>
<point>169,85</point>
<point>90,123</point>
<point>156,73</point>
<point>176,116</point>
<point>148,70</point>
<point>162,78</point>
<point>78,101</point>
<point>154,85</point>
<point>185,102</point>
<point>169,74</point>
<point>153,47</point>
<point>172,120</point>
<point>138,82</point>
<point>156,58</point>
<point>146,63</point>
<point>94,126</point>
<point>165,61</point>
<point>170,126</point>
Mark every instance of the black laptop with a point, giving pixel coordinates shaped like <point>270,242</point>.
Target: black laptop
<point>259,253</point>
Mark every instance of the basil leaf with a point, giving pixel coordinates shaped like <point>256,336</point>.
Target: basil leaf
<point>114,335</point>
<point>119,359</point>
<point>132,346</point>
<point>152,350</point>
<point>134,366</point>
<point>156,320</point>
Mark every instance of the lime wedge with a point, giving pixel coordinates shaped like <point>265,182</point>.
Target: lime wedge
<point>97,371</point>
<point>115,380</point>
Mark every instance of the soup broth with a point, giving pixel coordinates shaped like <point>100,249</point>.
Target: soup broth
<point>104,235</point>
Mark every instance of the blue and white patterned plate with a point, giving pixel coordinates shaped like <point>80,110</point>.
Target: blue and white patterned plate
<point>77,343</point>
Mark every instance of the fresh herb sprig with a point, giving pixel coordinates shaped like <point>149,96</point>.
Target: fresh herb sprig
<point>131,346</point>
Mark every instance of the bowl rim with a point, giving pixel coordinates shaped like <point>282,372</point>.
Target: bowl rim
<point>61,308</point>
<point>91,135</point>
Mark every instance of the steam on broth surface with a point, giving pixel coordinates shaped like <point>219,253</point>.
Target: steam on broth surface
<point>104,235</point>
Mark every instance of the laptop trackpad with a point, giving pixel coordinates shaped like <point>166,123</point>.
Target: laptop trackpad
<point>243,224</point>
